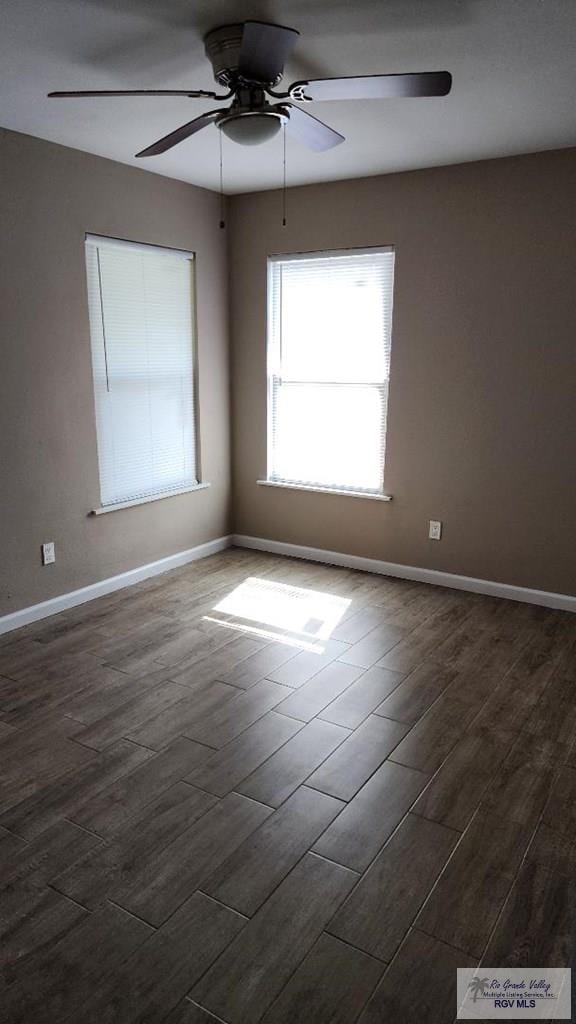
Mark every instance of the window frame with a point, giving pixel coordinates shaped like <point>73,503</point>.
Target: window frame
<point>272,359</point>
<point>198,483</point>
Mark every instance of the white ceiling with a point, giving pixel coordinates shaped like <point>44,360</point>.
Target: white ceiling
<point>513,63</point>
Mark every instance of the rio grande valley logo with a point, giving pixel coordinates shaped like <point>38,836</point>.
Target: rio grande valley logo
<point>514,993</point>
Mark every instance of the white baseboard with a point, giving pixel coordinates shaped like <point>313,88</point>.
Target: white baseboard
<point>125,579</point>
<point>35,612</point>
<point>565,602</point>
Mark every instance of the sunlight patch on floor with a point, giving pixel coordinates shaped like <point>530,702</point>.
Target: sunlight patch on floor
<point>278,611</point>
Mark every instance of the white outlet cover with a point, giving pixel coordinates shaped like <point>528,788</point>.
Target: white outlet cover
<point>48,553</point>
<point>435,529</point>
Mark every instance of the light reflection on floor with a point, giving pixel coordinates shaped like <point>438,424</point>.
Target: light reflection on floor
<point>279,611</point>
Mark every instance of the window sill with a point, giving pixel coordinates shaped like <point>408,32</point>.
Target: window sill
<point>144,501</point>
<point>324,490</point>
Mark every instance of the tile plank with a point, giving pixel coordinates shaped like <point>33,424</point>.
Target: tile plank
<point>107,812</point>
<point>160,973</point>
<point>60,798</point>
<point>208,669</point>
<point>423,641</point>
<point>420,985</point>
<point>246,879</point>
<point>554,716</point>
<point>124,721</point>
<point>56,987</point>
<point>358,833</point>
<point>171,875</point>
<point>41,860</point>
<point>361,698</point>
<point>287,769</point>
<point>560,810</point>
<point>42,919</point>
<point>226,768</point>
<point>249,975</point>
<point>434,735</point>
<point>358,623</point>
<point>373,646</point>
<point>306,664</point>
<point>161,730</point>
<point>416,693</point>
<point>333,983</point>
<point>225,724</point>
<point>249,671</point>
<point>33,757</point>
<point>91,704</point>
<point>536,925</point>
<point>453,795</point>
<point>312,697</point>
<point>465,904</point>
<point>522,787</point>
<point>376,917</point>
<point>112,869</point>
<point>345,771</point>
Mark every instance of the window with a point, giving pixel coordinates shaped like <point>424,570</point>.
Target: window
<point>141,302</point>
<point>329,333</point>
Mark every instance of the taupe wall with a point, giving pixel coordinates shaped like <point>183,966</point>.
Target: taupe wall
<point>482,417</point>
<point>49,197</point>
<point>482,420</point>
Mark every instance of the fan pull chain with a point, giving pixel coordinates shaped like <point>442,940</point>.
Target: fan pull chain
<point>284,175</point>
<point>222,221</point>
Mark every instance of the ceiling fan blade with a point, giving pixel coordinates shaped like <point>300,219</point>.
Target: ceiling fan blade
<point>199,93</point>
<point>210,117</point>
<point>374,87</point>
<point>309,130</point>
<point>264,50</point>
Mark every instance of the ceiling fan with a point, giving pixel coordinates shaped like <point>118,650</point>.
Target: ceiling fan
<point>248,60</point>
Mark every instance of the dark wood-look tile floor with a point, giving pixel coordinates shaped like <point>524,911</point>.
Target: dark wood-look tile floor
<point>258,789</point>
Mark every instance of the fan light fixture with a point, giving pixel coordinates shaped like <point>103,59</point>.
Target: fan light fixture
<point>251,128</point>
<point>248,61</point>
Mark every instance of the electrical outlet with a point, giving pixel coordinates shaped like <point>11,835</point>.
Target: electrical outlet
<point>48,553</point>
<point>435,529</point>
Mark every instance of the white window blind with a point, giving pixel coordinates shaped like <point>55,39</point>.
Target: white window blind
<point>329,335</point>
<point>141,302</point>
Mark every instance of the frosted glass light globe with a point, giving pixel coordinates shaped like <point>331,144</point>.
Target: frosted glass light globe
<point>252,128</point>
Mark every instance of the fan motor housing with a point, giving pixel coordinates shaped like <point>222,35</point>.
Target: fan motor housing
<point>222,47</point>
